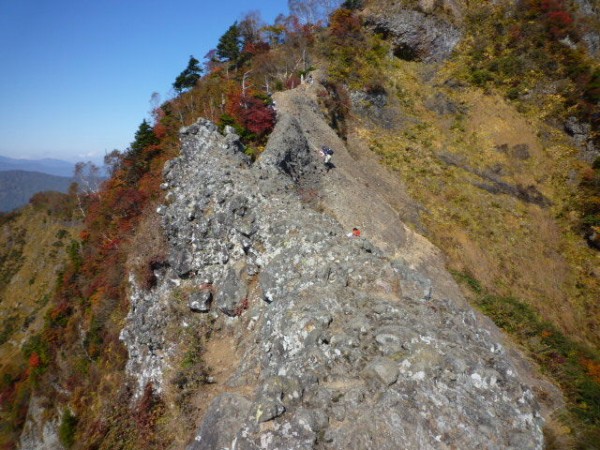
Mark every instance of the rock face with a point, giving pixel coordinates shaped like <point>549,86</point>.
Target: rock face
<point>590,35</point>
<point>344,347</point>
<point>145,332</point>
<point>583,138</point>
<point>39,433</point>
<point>416,35</point>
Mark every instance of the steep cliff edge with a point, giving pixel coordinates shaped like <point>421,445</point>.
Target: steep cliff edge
<point>317,340</point>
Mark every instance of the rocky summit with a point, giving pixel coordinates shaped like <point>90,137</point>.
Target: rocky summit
<point>333,342</point>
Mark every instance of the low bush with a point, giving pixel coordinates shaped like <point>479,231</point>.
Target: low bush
<point>66,430</point>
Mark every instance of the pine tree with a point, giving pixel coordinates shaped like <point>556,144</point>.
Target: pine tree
<point>189,77</point>
<point>229,46</point>
<point>144,137</point>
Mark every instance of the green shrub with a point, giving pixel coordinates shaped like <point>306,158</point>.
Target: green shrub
<point>481,77</point>
<point>507,65</point>
<point>9,325</point>
<point>513,93</point>
<point>67,428</point>
<point>469,280</point>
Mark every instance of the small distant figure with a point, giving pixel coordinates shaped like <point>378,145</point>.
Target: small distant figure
<point>354,234</point>
<point>310,79</point>
<point>327,154</point>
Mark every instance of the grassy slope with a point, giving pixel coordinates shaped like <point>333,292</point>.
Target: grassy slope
<point>510,246</point>
<point>33,249</point>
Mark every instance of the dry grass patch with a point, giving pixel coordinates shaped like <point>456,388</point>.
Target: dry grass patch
<point>512,247</point>
<point>43,241</point>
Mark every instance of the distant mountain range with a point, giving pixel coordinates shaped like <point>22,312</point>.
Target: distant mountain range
<point>18,186</point>
<point>46,165</point>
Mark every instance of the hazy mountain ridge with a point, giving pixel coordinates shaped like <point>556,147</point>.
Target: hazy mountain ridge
<point>20,179</point>
<point>46,165</point>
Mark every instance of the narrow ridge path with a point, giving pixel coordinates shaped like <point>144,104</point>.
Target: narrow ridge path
<point>360,192</point>
<point>363,194</point>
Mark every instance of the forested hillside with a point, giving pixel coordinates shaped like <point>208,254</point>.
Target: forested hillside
<point>35,243</point>
<point>484,114</point>
<point>17,187</point>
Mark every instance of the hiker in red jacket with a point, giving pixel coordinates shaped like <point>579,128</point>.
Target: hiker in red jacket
<point>354,234</point>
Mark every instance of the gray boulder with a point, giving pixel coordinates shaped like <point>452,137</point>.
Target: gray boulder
<point>200,301</point>
<point>590,35</point>
<point>415,35</point>
<point>221,428</point>
<point>583,138</point>
<point>232,292</point>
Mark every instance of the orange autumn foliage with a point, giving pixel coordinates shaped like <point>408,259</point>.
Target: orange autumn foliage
<point>592,367</point>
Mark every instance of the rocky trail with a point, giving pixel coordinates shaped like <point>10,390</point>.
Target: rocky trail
<point>339,343</point>
<point>350,191</point>
<point>361,193</point>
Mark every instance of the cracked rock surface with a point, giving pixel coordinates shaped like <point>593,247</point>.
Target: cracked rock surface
<point>345,343</point>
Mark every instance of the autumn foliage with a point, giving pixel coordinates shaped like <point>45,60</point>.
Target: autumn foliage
<point>78,348</point>
<point>558,18</point>
<point>345,24</point>
<point>85,316</point>
<point>253,114</point>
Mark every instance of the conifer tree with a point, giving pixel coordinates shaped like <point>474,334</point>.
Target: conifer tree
<point>229,46</point>
<point>189,77</point>
<point>144,137</point>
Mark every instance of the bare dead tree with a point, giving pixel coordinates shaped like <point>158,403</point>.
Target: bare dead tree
<point>313,11</point>
<point>112,162</point>
<point>87,176</point>
<point>155,101</point>
<point>250,26</point>
<point>245,86</point>
<point>86,182</point>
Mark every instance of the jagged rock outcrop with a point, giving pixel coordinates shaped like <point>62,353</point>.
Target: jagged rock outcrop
<point>373,106</point>
<point>590,35</point>
<point>145,332</point>
<point>417,34</point>
<point>583,137</point>
<point>344,345</point>
<point>39,432</point>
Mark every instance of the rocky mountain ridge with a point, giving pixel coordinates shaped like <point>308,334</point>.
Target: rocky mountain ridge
<point>342,342</point>
<point>48,166</point>
<point>258,322</point>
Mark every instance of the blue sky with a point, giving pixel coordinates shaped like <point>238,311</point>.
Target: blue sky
<point>77,75</point>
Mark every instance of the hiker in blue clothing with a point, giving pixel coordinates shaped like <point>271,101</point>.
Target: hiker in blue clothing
<point>327,153</point>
